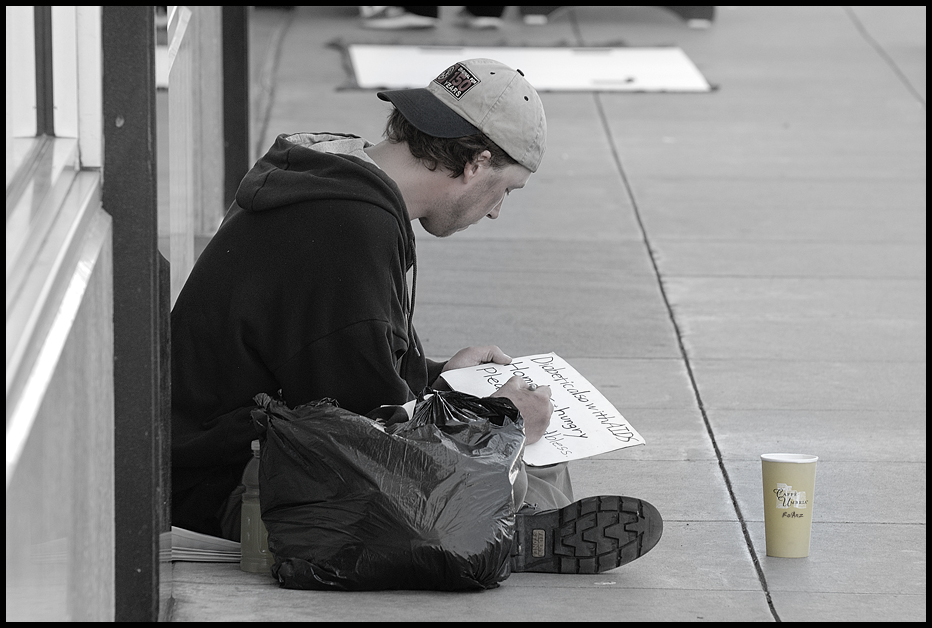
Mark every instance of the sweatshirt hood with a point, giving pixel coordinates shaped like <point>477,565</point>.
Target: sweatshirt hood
<point>322,168</point>
<point>303,167</point>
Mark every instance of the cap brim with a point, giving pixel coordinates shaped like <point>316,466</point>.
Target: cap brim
<point>428,113</point>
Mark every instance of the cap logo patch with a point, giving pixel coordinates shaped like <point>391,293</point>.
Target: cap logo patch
<point>457,80</point>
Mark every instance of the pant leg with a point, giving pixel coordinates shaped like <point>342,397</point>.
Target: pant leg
<point>423,11</point>
<point>231,513</point>
<point>486,11</point>
<point>544,487</point>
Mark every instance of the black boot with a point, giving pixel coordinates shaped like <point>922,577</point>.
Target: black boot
<point>591,535</point>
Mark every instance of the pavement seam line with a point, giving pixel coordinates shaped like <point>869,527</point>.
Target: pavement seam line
<point>679,338</point>
<point>685,357</point>
<point>883,54</point>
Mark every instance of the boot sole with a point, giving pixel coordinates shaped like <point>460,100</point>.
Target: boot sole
<point>589,536</point>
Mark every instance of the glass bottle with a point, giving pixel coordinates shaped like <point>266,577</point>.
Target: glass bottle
<point>254,539</point>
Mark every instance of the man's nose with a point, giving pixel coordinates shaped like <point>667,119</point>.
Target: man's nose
<point>496,210</point>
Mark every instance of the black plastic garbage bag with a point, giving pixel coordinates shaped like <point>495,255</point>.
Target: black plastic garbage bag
<point>351,504</point>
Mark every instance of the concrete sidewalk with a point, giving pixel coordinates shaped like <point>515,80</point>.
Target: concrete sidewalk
<point>740,272</point>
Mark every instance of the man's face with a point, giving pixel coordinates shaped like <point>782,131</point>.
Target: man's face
<point>480,196</point>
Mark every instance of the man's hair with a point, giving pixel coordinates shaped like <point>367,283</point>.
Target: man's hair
<point>451,153</point>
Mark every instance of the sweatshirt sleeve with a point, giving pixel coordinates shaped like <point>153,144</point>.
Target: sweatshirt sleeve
<point>333,321</point>
<point>434,369</point>
<point>353,365</point>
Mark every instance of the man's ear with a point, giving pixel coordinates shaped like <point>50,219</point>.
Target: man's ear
<point>475,166</point>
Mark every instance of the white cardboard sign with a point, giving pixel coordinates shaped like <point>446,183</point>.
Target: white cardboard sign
<point>652,69</point>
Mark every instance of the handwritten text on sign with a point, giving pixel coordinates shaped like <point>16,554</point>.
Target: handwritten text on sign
<point>584,422</point>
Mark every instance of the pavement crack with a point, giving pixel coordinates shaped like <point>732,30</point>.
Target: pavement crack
<point>685,357</point>
<point>891,63</point>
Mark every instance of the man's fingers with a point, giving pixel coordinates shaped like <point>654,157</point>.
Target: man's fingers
<point>496,355</point>
<point>518,383</point>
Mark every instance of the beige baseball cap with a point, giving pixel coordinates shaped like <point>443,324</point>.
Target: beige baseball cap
<point>479,95</point>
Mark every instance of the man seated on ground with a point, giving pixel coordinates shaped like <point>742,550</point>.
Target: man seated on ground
<point>304,290</point>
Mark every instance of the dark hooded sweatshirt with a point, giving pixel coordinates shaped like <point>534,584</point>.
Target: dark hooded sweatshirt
<point>302,290</point>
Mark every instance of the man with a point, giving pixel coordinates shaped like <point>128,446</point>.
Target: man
<point>304,290</point>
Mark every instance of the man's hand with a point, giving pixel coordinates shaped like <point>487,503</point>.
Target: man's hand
<point>535,406</point>
<point>474,356</point>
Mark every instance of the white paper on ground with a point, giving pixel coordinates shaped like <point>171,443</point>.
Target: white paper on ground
<point>584,422</point>
<point>655,69</point>
<point>203,548</point>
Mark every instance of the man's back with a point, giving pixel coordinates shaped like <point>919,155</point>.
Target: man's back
<point>301,291</point>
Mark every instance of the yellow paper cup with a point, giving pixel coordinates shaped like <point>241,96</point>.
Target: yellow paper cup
<point>789,490</point>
